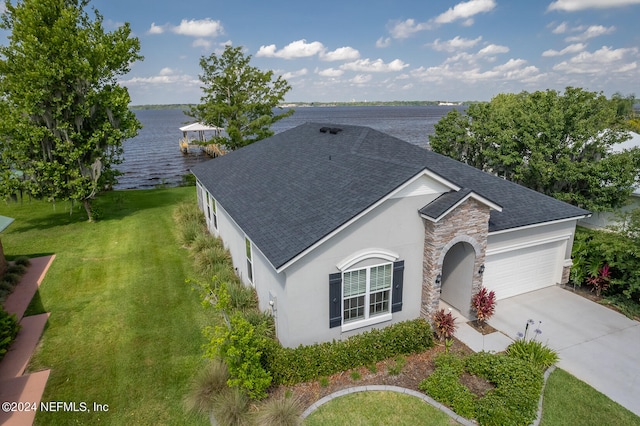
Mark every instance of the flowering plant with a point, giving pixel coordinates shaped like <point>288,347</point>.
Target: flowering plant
<point>531,350</point>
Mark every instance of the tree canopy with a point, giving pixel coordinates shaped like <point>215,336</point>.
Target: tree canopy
<point>562,145</point>
<point>63,115</point>
<point>239,98</point>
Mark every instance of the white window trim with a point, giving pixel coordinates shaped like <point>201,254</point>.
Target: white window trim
<point>367,321</point>
<point>369,253</point>
<point>250,269</point>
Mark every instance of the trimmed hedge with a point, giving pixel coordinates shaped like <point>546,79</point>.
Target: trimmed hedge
<point>305,363</point>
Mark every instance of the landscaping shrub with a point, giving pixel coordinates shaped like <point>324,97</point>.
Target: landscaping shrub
<point>306,363</point>
<point>593,249</point>
<point>282,411</point>
<point>16,269</point>
<point>22,260</point>
<point>484,303</point>
<point>444,325</point>
<point>513,401</point>
<point>11,278</point>
<point>9,328</point>
<point>238,344</point>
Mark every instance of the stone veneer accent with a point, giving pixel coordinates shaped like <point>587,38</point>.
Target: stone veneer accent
<point>469,222</point>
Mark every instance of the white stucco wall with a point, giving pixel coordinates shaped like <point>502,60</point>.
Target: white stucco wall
<point>394,226</point>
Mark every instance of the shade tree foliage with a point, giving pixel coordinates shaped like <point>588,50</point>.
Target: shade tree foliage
<point>63,115</point>
<point>560,144</point>
<point>239,98</point>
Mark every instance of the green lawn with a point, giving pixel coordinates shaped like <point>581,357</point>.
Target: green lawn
<point>125,330</point>
<point>378,408</point>
<point>569,401</point>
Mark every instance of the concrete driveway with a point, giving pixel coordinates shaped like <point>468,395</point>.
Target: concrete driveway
<point>594,343</point>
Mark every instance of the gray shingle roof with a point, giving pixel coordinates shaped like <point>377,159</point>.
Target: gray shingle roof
<point>289,191</point>
<point>444,202</point>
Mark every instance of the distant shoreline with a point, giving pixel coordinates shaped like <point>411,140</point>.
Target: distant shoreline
<point>186,107</point>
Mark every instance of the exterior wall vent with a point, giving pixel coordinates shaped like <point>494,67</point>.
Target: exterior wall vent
<point>332,130</point>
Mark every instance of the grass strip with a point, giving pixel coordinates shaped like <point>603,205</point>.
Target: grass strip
<point>125,329</point>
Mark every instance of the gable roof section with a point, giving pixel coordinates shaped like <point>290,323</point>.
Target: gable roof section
<point>292,190</point>
<point>445,203</point>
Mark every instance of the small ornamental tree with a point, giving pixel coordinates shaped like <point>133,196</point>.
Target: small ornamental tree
<point>484,303</point>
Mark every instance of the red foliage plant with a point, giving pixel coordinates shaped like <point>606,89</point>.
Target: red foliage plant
<point>444,324</point>
<point>484,303</point>
<point>601,281</point>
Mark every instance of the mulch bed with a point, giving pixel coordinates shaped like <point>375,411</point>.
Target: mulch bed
<point>416,369</point>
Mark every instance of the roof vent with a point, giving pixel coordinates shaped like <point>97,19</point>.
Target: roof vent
<point>332,130</point>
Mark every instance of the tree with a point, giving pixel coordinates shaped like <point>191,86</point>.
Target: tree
<point>63,116</point>
<point>239,98</point>
<point>557,144</point>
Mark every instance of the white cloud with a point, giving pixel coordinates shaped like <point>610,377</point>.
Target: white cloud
<point>293,74</point>
<point>591,32</point>
<point>572,48</point>
<point>456,43</point>
<point>155,29</point>
<point>576,5</point>
<point>166,76</point>
<point>341,54</point>
<point>199,28</point>
<point>361,79</point>
<point>330,72</point>
<point>601,62</point>
<point>465,10</point>
<point>561,28</point>
<point>201,42</point>
<point>295,49</point>
<point>194,28</point>
<point>367,65</point>
<point>383,42</point>
<point>406,29</point>
<point>493,49</point>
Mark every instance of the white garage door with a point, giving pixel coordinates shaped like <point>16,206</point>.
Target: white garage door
<point>519,271</point>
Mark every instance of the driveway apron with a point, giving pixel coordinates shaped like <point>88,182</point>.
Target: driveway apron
<point>595,344</point>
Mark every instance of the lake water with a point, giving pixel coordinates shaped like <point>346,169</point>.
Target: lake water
<point>153,158</point>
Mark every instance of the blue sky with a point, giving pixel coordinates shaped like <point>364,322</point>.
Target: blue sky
<point>387,49</point>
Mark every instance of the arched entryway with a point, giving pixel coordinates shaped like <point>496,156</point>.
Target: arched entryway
<point>457,276</point>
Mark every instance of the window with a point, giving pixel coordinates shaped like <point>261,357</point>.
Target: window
<point>366,292</point>
<point>365,296</point>
<point>249,259</point>
<point>215,212</point>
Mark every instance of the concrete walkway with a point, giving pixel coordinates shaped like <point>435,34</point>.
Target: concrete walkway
<point>595,344</point>
<point>14,386</point>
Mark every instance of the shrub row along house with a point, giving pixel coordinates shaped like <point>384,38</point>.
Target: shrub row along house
<point>344,228</point>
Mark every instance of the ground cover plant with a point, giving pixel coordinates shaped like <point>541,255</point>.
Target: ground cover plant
<point>510,396</point>
<point>124,328</point>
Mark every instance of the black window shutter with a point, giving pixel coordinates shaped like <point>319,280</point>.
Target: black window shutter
<point>398,279</point>
<point>335,300</point>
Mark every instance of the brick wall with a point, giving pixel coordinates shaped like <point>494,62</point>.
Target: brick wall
<point>468,223</point>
